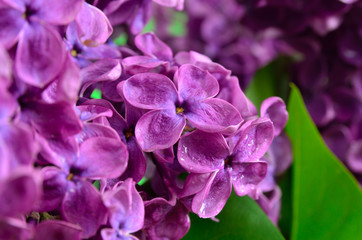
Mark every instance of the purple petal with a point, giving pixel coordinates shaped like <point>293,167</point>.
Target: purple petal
<point>126,205</point>
<point>91,112</point>
<point>66,85</point>
<point>201,152</point>
<point>102,157</point>
<point>6,68</point>
<point>19,141</point>
<point>11,23</point>
<point>174,225</point>
<point>22,185</point>
<point>100,71</point>
<point>211,200</point>
<point>281,151</point>
<point>271,204</point>
<point>59,12</point>
<point>246,176</point>
<point>93,26</point>
<point>83,205</point>
<point>195,84</point>
<point>8,105</point>
<point>142,64</point>
<point>275,109</point>
<point>136,166</point>
<point>152,46</point>
<point>40,54</point>
<point>54,187</point>
<point>165,155</point>
<point>13,228</point>
<point>149,91</point>
<point>354,157</point>
<point>159,129</point>
<point>194,183</point>
<point>255,138</point>
<point>338,139</point>
<point>214,115</point>
<point>45,116</point>
<point>346,103</point>
<point>59,230</point>
<point>117,122</point>
<point>230,91</point>
<point>321,109</point>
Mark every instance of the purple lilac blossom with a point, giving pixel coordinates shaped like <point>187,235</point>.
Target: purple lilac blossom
<point>57,144</point>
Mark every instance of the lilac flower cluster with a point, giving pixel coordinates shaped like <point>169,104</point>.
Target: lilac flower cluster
<point>171,135</point>
<point>322,38</point>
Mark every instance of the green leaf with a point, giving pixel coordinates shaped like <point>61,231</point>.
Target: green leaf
<point>241,219</point>
<point>271,80</point>
<point>96,94</point>
<point>121,39</point>
<point>177,27</point>
<point>327,200</point>
<point>150,26</point>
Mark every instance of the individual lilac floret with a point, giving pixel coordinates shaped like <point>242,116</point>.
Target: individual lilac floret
<point>217,164</point>
<point>40,51</point>
<point>192,100</point>
<point>126,209</point>
<point>95,153</point>
<point>165,219</point>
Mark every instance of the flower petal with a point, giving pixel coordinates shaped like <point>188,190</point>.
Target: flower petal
<point>22,185</point>
<point>152,46</point>
<point>127,207</point>
<point>19,141</point>
<point>214,115</point>
<point>102,157</point>
<point>40,54</point>
<point>136,166</point>
<point>93,26</point>
<point>66,85</point>
<point>246,176</point>
<point>59,230</point>
<point>354,156</point>
<point>83,205</point>
<point>149,91</point>
<point>195,84</point>
<point>211,200</point>
<point>103,70</point>
<point>59,12</point>
<point>54,187</point>
<point>201,152</point>
<point>255,138</point>
<point>45,116</point>
<point>11,23</point>
<point>142,64</point>
<point>159,129</point>
<point>275,109</point>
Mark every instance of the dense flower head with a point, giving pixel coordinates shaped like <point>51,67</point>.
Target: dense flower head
<point>321,39</point>
<point>73,166</point>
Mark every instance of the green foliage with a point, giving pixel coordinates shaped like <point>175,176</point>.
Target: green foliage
<point>96,94</point>
<point>241,218</point>
<point>327,201</point>
<point>121,39</point>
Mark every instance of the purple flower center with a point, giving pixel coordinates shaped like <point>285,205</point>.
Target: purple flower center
<point>29,11</point>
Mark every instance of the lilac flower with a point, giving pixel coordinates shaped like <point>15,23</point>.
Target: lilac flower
<point>126,211</point>
<point>40,52</point>
<point>100,154</point>
<point>162,127</point>
<point>165,219</point>
<point>221,165</point>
